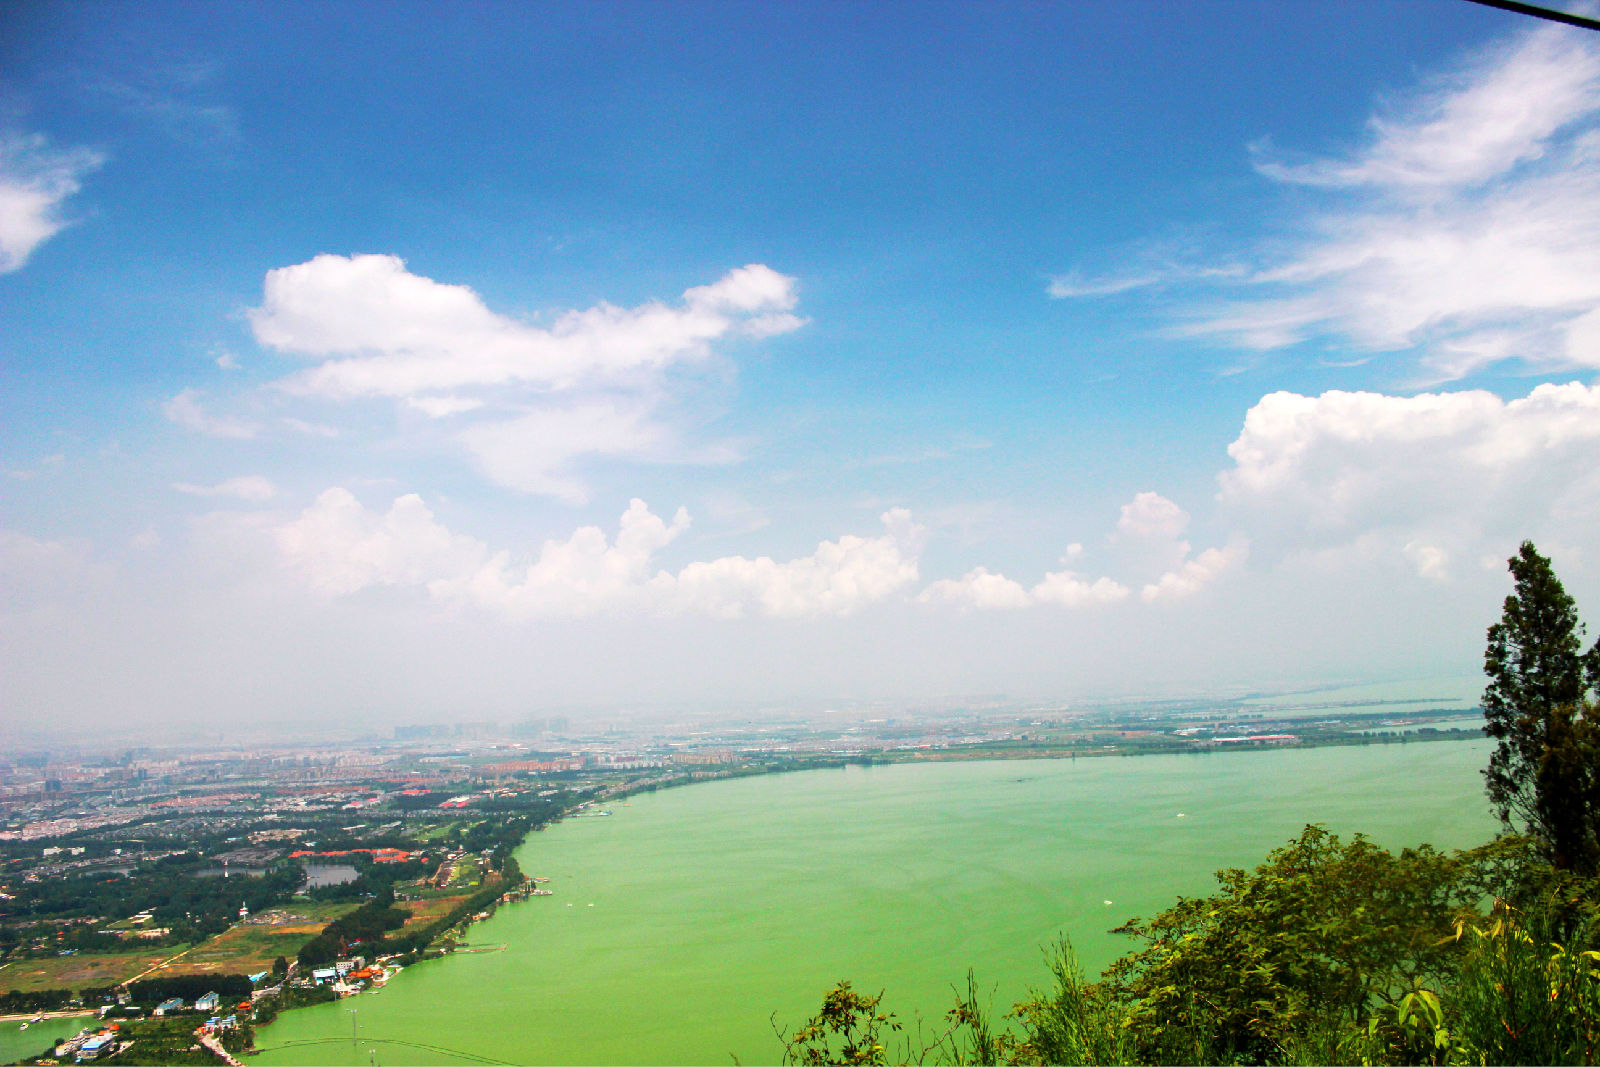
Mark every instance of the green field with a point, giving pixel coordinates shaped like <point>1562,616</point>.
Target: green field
<point>685,920</point>
<point>75,972</point>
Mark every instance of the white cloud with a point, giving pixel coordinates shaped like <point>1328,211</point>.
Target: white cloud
<point>1431,561</point>
<point>1433,476</point>
<point>399,334</point>
<point>185,410</point>
<point>1498,110</point>
<point>340,547</point>
<point>527,402</point>
<point>534,453</point>
<point>1195,574</point>
<point>840,578</point>
<point>310,429</point>
<point>1152,515</point>
<point>442,407</point>
<point>1070,590</point>
<point>251,488</point>
<point>1075,284</point>
<point>1466,232</point>
<point>228,361</point>
<point>983,590</point>
<point>583,575</point>
<point>34,181</point>
<point>978,588</point>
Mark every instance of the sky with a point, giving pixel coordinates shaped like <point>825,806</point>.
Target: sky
<point>388,363</point>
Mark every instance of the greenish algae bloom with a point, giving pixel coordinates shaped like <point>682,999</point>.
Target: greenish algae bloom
<point>688,918</point>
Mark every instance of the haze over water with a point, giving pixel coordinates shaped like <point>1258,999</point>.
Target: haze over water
<point>717,905</point>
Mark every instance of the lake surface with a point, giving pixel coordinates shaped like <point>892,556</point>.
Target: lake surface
<point>322,875</point>
<point>16,1043</point>
<point>689,917</point>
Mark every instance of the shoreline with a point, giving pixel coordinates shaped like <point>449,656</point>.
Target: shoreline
<point>391,1019</point>
<point>875,759</point>
<point>28,1017</point>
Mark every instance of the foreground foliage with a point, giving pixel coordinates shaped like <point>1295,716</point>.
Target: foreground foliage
<point>1329,952</point>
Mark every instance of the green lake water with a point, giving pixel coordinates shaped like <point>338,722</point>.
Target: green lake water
<point>682,922</point>
<point>16,1042</point>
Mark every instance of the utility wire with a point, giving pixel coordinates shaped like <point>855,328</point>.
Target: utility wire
<point>1566,19</point>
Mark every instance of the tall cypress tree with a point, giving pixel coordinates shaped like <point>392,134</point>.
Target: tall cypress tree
<point>1544,775</point>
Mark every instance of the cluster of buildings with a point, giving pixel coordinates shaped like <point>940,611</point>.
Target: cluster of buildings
<point>89,1045</point>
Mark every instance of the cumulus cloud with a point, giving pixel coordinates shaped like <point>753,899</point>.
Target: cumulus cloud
<point>586,574</point>
<point>1147,541</point>
<point>1431,476</point>
<point>1071,590</point>
<point>525,401</point>
<point>251,488</point>
<point>983,590</point>
<point>1152,515</point>
<point>340,547</point>
<point>397,334</point>
<point>1193,575</point>
<point>35,179</point>
<point>840,578</point>
<point>978,588</point>
<point>186,410</point>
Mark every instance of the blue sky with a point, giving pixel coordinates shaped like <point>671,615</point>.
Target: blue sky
<point>1048,350</point>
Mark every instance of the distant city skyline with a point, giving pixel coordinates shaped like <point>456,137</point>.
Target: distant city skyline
<point>393,364</point>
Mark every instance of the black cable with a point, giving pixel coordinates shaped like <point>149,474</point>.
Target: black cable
<point>1516,7</point>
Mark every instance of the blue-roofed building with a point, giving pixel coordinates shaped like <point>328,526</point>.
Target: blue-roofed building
<point>92,1048</point>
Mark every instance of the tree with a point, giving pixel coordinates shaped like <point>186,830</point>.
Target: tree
<point>848,1030</point>
<point>1544,775</point>
<point>1313,939</point>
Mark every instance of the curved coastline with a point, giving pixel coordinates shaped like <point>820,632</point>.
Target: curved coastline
<point>671,924</point>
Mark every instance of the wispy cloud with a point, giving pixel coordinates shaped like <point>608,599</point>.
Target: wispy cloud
<point>251,488</point>
<point>1473,235</point>
<point>35,179</point>
<point>186,410</point>
<point>1467,126</point>
<point>175,97</point>
<point>1075,284</point>
<point>1464,231</point>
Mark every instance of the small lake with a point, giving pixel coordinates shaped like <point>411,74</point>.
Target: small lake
<point>321,875</point>
<point>231,872</point>
<point>685,921</point>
